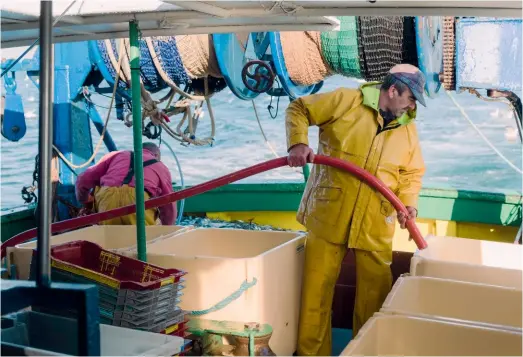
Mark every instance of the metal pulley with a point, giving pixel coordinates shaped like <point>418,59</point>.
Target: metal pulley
<point>13,116</point>
<point>236,51</point>
<point>258,76</point>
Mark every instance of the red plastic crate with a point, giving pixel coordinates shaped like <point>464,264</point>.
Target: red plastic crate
<point>181,330</point>
<point>117,271</point>
<point>178,329</point>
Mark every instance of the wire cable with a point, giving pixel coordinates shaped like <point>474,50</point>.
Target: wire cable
<point>465,115</point>
<point>36,41</point>
<point>182,182</point>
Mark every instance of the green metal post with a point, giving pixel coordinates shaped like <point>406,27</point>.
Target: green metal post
<point>306,172</point>
<point>137,139</point>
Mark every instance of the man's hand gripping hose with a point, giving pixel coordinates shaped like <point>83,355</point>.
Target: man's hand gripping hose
<point>221,181</point>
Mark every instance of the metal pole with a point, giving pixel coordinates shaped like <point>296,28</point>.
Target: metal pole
<point>137,136</point>
<point>43,276</point>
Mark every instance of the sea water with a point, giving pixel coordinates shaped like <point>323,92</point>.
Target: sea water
<point>455,155</point>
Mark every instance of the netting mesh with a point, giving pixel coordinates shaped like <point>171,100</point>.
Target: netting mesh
<point>340,48</point>
<point>380,43</point>
<point>303,58</point>
<point>449,53</point>
<point>107,61</point>
<point>169,58</point>
<point>198,57</point>
<point>365,47</point>
<point>150,76</point>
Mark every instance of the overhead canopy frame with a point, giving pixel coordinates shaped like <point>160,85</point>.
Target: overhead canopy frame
<point>103,19</point>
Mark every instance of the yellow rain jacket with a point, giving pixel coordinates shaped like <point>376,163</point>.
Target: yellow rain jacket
<point>335,204</point>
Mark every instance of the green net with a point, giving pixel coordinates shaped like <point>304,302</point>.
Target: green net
<point>340,48</point>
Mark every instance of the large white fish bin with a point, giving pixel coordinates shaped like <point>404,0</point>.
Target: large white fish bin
<point>397,335</point>
<point>480,304</point>
<point>117,238</point>
<point>472,260</point>
<point>219,261</point>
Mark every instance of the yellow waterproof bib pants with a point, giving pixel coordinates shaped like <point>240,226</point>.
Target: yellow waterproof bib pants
<point>107,198</point>
<point>322,268</point>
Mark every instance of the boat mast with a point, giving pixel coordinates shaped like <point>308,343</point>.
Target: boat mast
<point>45,142</point>
<point>137,139</point>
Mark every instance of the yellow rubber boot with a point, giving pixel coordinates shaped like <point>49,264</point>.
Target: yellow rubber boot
<point>373,284</point>
<point>321,270</point>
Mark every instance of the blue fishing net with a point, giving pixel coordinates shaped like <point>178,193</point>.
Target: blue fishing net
<point>107,61</point>
<point>150,76</point>
<point>170,60</point>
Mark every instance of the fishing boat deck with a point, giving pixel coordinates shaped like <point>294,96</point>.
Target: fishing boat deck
<point>279,257</point>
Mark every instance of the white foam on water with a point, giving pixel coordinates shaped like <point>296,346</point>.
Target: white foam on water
<point>455,156</point>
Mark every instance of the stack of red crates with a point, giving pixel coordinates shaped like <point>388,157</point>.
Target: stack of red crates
<point>132,293</point>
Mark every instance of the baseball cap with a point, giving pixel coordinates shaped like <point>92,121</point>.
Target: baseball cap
<point>412,77</point>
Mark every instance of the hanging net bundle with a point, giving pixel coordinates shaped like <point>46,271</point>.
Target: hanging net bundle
<point>340,48</point>
<point>303,57</point>
<point>380,42</point>
<point>184,60</point>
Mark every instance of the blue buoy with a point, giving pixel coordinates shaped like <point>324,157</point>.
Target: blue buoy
<point>293,90</point>
<point>429,42</point>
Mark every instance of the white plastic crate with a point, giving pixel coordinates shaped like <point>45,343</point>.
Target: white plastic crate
<point>218,261</point>
<point>400,335</point>
<point>472,260</point>
<point>487,305</point>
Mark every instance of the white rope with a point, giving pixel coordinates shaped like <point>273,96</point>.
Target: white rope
<point>271,148</point>
<point>184,106</point>
<point>263,132</point>
<point>165,76</point>
<point>102,135</point>
<point>483,136</point>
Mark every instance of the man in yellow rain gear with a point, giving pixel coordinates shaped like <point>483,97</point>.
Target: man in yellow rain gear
<point>372,127</point>
<point>112,180</point>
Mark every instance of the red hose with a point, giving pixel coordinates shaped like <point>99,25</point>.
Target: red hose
<point>218,182</point>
